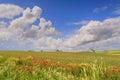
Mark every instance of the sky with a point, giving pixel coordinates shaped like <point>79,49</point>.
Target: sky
<point>68,25</point>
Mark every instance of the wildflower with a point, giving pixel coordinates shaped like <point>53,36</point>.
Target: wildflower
<point>88,74</point>
<point>29,57</point>
<point>48,60</point>
<point>1,56</point>
<point>106,75</point>
<point>21,69</point>
<point>70,76</point>
<point>89,67</point>
<point>113,70</point>
<point>70,65</point>
<point>14,68</point>
<point>19,57</point>
<point>27,69</point>
<point>119,70</point>
<point>115,67</point>
<point>84,65</point>
<point>13,59</point>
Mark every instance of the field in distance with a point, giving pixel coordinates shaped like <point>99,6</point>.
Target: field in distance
<point>110,57</point>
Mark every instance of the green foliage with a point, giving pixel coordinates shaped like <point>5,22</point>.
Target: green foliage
<point>59,66</point>
<point>17,70</point>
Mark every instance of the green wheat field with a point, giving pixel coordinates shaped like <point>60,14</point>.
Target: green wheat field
<point>30,65</point>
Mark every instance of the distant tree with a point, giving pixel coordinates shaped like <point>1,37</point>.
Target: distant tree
<point>41,50</point>
<point>29,50</point>
<point>93,50</point>
<point>57,50</point>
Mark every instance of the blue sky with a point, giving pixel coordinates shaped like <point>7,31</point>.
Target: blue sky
<point>68,17</point>
<point>63,12</point>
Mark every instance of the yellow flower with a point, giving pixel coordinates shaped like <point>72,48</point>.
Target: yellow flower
<point>1,56</point>
<point>13,59</point>
<point>29,57</point>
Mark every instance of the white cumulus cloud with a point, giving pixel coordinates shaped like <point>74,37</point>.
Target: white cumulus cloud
<point>96,34</point>
<point>3,24</point>
<point>22,33</point>
<point>9,11</point>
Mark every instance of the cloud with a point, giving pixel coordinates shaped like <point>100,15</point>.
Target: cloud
<point>22,33</point>
<point>117,11</point>
<point>96,34</point>
<point>21,24</point>
<point>45,28</point>
<point>29,16</point>
<point>48,43</point>
<point>83,22</point>
<point>3,24</point>
<point>100,9</point>
<point>9,11</point>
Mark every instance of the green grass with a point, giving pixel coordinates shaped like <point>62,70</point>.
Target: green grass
<point>30,65</point>
<point>66,57</point>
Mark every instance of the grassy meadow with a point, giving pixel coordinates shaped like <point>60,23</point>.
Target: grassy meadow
<point>30,65</point>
